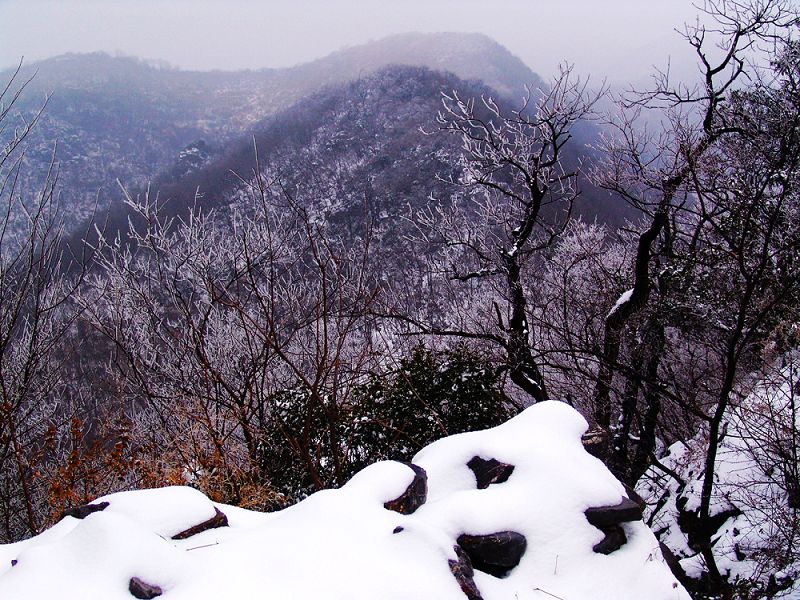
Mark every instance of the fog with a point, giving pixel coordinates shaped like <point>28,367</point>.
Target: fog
<point>620,40</point>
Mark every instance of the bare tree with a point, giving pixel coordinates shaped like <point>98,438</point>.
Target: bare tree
<point>232,326</point>
<point>515,198</point>
<point>655,172</point>
<point>716,186</point>
<point>585,271</point>
<point>36,314</point>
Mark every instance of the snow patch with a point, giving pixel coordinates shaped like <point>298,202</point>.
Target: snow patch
<point>623,299</point>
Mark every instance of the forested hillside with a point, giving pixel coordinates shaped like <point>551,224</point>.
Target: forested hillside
<point>362,152</point>
<point>110,118</point>
<point>294,274</point>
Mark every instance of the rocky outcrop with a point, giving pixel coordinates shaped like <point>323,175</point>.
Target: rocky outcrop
<point>81,512</point>
<point>143,591</point>
<point>497,553</point>
<point>487,515</point>
<point>489,471</point>
<point>218,520</point>
<point>609,519</point>
<point>415,494</point>
<point>464,573</point>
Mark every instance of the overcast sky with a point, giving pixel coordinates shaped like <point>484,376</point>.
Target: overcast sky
<point>618,39</point>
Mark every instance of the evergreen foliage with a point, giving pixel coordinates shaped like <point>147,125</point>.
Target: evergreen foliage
<point>431,395</point>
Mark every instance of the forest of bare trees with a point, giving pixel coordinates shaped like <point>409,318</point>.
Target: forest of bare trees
<point>259,354</point>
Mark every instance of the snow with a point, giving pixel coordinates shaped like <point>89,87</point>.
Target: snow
<point>754,544</point>
<point>344,544</point>
<point>553,483</point>
<point>167,514</point>
<point>624,298</point>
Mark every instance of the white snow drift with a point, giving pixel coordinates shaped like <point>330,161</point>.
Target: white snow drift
<point>345,544</point>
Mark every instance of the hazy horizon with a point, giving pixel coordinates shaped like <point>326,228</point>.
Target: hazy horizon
<point>620,40</point>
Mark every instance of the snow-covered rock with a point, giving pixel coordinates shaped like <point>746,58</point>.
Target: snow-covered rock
<point>756,494</point>
<point>511,501</point>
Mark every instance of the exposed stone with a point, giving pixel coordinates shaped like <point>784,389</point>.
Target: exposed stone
<point>606,516</point>
<point>463,572</point>
<point>777,584</point>
<point>14,562</point>
<point>81,512</point>
<point>415,495</point>
<point>674,564</point>
<point>142,590</point>
<point>397,529</point>
<point>489,471</point>
<point>218,520</point>
<point>595,442</point>
<point>614,540</point>
<point>496,553</point>
<point>697,531</point>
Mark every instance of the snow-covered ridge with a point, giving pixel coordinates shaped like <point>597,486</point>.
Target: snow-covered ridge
<point>520,512</point>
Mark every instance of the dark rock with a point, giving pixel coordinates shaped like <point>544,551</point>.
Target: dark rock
<point>489,471</point>
<point>415,495</point>
<point>606,516</point>
<point>14,562</point>
<point>614,540</point>
<point>218,520</point>
<point>397,529</point>
<point>496,553</point>
<point>143,591</point>
<point>595,442</point>
<point>775,585</point>
<point>463,572</point>
<point>740,555</point>
<point>698,531</point>
<point>674,564</point>
<point>81,512</point>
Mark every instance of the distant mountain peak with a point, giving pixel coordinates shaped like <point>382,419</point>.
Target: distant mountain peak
<point>119,117</point>
<point>470,56</point>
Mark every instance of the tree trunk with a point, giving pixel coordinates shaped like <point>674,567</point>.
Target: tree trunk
<point>525,373</point>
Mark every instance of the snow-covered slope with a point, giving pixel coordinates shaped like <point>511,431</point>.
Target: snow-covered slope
<point>756,495</point>
<point>498,514</point>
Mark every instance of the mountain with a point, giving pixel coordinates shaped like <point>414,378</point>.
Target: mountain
<point>122,118</point>
<point>469,56</point>
<point>361,141</point>
<point>227,101</point>
<point>371,144</point>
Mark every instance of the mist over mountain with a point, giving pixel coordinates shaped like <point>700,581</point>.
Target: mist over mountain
<point>370,148</point>
<point>249,286</point>
<point>119,119</point>
<point>122,118</point>
<point>225,101</point>
<point>469,56</point>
